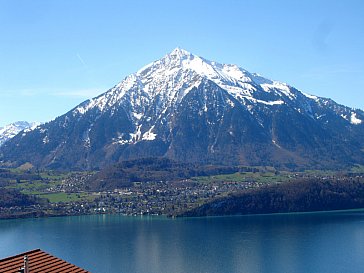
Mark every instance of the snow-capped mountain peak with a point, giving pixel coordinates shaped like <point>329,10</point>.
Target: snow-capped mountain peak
<point>165,82</point>
<point>180,66</point>
<point>173,76</point>
<point>9,131</point>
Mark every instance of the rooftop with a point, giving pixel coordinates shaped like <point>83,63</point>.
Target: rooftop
<point>38,261</point>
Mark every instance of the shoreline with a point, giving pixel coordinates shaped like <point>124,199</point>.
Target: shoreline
<point>298,213</point>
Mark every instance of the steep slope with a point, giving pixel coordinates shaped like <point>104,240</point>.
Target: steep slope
<point>190,109</point>
<point>9,131</point>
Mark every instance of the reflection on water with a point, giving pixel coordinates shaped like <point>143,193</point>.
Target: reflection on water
<point>320,242</point>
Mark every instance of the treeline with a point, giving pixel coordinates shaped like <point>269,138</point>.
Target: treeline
<point>154,170</point>
<point>299,196</point>
<point>14,198</point>
<point>7,176</point>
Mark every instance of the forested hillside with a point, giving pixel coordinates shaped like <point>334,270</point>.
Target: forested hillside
<point>314,194</point>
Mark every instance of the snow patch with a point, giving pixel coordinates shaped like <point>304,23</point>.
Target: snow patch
<point>121,142</point>
<point>45,140</point>
<point>283,88</point>
<point>232,104</point>
<point>344,116</point>
<point>312,97</point>
<point>354,120</point>
<point>136,136</point>
<point>138,115</point>
<point>276,102</point>
<point>86,138</point>
<point>276,144</point>
<point>149,135</point>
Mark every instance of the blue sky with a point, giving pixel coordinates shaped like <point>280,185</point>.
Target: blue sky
<point>56,54</point>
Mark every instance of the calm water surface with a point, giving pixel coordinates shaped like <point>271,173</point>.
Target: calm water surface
<point>307,243</point>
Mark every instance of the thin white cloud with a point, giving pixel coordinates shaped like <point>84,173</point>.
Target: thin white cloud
<point>85,93</point>
<point>79,93</point>
<point>20,93</point>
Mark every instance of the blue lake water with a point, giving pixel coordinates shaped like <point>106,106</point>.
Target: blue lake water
<point>307,243</point>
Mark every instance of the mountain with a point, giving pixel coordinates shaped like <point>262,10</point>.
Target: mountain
<point>190,109</point>
<point>9,131</point>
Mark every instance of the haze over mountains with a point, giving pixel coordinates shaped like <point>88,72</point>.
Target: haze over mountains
<point>190,109</point>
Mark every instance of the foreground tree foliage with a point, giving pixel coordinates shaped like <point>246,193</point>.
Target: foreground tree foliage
<point>299,196</point>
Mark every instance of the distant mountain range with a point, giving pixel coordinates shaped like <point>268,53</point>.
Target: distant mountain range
<point>11,130</point>
<point>190,109</point>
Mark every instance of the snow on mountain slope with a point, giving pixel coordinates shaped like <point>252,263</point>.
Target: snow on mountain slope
<point>9,131</point>
<point>170,79</point>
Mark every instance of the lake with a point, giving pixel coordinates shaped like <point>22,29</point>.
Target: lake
<point>307,243</point>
